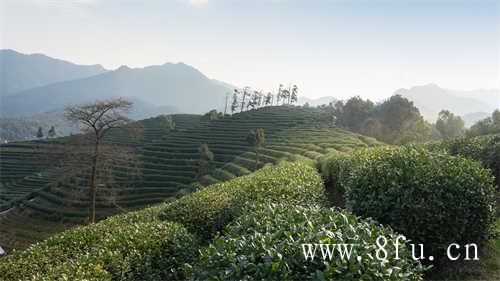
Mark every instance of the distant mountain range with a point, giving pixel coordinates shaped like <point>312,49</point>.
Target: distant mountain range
<point>472,105</point>
<point>317,101</point>
<point>179,86</point>
<point>37,85</point>
<point>20,72</point>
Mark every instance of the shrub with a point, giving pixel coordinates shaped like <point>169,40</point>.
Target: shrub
<point>485,149</point>
<point>210,209</point>
<point>336,168</point>
<point>435,199</point>
<point>266,244</point>
<point>127,247</point>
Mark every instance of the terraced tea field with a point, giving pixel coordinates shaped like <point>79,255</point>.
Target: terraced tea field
<point>30,210</point>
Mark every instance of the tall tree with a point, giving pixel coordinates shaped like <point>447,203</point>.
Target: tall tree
<point>205,161</point>
<point>294,94</point>
<point>52,132</point>
<point>489,125</point>
<point>353,113</point>
<point>254,100</point>
<point>244,94</point>
<point>268,100</point>
<point>285,94</point>
<point>39,133</point>
<point>401,121</point>
<point>260,101</point>
<point>225,104</point>
<point>235,103</point>
<point>279,95</point>
<point>450,125</point>
<point>167,121</point>
<point>256,139</point>
<point>213,115</point>
<point>98,118</point>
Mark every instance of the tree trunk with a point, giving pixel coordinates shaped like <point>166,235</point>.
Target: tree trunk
<point>242,103</point>
<point>256,158</point>
<point>225,106</point>
<point>93,181</point>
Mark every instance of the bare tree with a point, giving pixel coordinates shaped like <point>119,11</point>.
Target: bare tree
<point>244,94</point>
<point>225,104</point>
<point>234,105</point>
<point>279,95</point>
<point>256,138</point>
<point>268,100</point>
<point>205,161</point>
<point>98,118</point>
<point>294,94</point>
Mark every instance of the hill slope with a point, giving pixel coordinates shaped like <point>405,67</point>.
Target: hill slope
<point>20,72</point>
<point>169,164</point>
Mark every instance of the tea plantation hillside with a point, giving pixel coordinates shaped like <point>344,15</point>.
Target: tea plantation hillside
<point>267,215</point>
<point>31,211</point>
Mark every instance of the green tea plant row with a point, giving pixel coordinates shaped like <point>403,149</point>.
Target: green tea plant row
<point>251,227</point>
<point>432,197</point>
<point>485,149</point>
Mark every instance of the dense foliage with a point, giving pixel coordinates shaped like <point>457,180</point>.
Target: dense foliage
<point>450,125</point>
<point>336,168</point>
<point>266,244</point>
<point>135,246</point>
<point>489,125</point>
<point>396,120</point>
<point>210,209</point>
<point>433,198</point>
<point>485,149</point>
<point>276,209</point>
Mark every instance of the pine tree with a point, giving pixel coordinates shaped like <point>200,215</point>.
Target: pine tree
<point>39,134</point>
<point>294,94</point>
<point>52,132</point>
<point>235,103</point>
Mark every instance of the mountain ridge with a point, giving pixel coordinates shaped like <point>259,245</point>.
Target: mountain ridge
<point>430,99</point>
<point>19,72</point>
<point>169,84</point>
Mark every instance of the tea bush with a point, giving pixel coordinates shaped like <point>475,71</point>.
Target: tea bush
<point>433,198</point>
<point>127,247</point>
<point>485,149</point>
<point>210,209</point>
<point>266,244</point>
<point>336,167</point>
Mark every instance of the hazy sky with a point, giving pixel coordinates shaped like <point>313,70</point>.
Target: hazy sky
<point>339,48</point>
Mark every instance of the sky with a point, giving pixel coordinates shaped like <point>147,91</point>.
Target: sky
<point>327,48</point>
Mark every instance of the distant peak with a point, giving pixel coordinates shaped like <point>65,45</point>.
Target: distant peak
<point>9,51</point>
<point>122,68</point>
<point>431,85</point>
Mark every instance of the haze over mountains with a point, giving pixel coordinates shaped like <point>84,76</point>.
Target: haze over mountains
<point>37,85</point>
<point>34,89</point>
<point>20,72</point>
<point>472,105</point>
<point>179,87</point>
